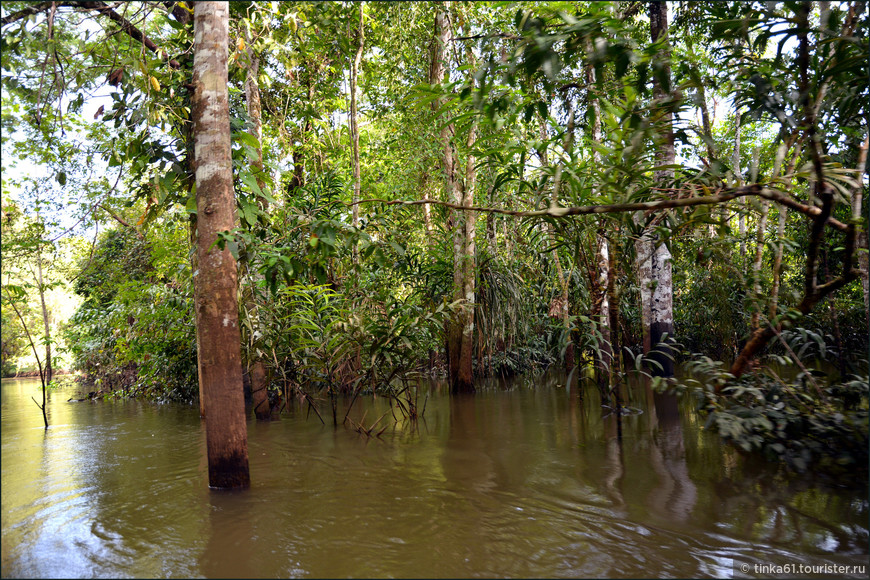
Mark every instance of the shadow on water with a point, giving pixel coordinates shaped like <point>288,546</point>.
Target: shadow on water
<point>528,478</point>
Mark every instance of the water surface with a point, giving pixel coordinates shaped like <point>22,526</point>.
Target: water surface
<point>522,480</point>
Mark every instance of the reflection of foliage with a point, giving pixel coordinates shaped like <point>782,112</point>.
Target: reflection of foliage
<point>808,422</point>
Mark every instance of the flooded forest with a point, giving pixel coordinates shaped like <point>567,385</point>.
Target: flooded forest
<point>435,289</point>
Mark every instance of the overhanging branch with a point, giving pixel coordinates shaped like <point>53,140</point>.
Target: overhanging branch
<point>125,25</point>
<point>561,212</point>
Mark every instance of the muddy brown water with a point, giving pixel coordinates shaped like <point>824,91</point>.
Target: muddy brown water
<point>521,480</point>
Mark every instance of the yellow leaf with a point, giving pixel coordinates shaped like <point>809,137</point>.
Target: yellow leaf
<point>241,43</point>
<point>292,24</point>
<point>155,84</point>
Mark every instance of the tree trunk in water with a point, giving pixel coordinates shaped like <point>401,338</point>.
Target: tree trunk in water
<point>220,362</point>
<point>564,310</point>
<point>464,263</point>
<point>602,254</point>
<point>48,369</point>
<point>354,124</point>
<point>661,321</point>
<point>460,327</point>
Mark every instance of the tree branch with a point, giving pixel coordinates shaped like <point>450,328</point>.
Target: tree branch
<point>121,221</point>
<point>126,26</point>
<point>561,212</point>
<point>30,10</point>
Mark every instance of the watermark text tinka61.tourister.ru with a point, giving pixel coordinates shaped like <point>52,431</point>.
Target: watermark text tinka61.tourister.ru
<point>766,570</point>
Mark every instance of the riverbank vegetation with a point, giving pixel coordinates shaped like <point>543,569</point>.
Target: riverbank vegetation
<point>459,189</point>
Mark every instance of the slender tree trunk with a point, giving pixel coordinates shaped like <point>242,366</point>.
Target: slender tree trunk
<point>738,177</point>
<point>467,259</point>
<point>563,306</point>
<point>706,127</point>
<point>220,364</point>
<point>602,257</point>
<point>437,66</point>
<point>257,371</point>
<point>777,264</point>
<point>857,215</point>
<point>864,270</point>
<point>38,362</point>
<point>777,259</point>
<point>490,225</point>
<point>354,123</point>
<point>45,320</point>
<point>255,109</point>
<point>756,264</point>
<point>427,214</point>
<point>613,318</point>
<point>464,262</point>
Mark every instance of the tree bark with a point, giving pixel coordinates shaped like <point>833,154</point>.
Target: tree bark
<point>220,364</point>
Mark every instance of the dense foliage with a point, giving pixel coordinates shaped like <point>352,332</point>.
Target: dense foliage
<point>548,106</point>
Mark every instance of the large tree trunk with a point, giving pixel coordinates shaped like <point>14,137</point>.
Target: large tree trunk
<point>661,311</point>
<point>220,361</point>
